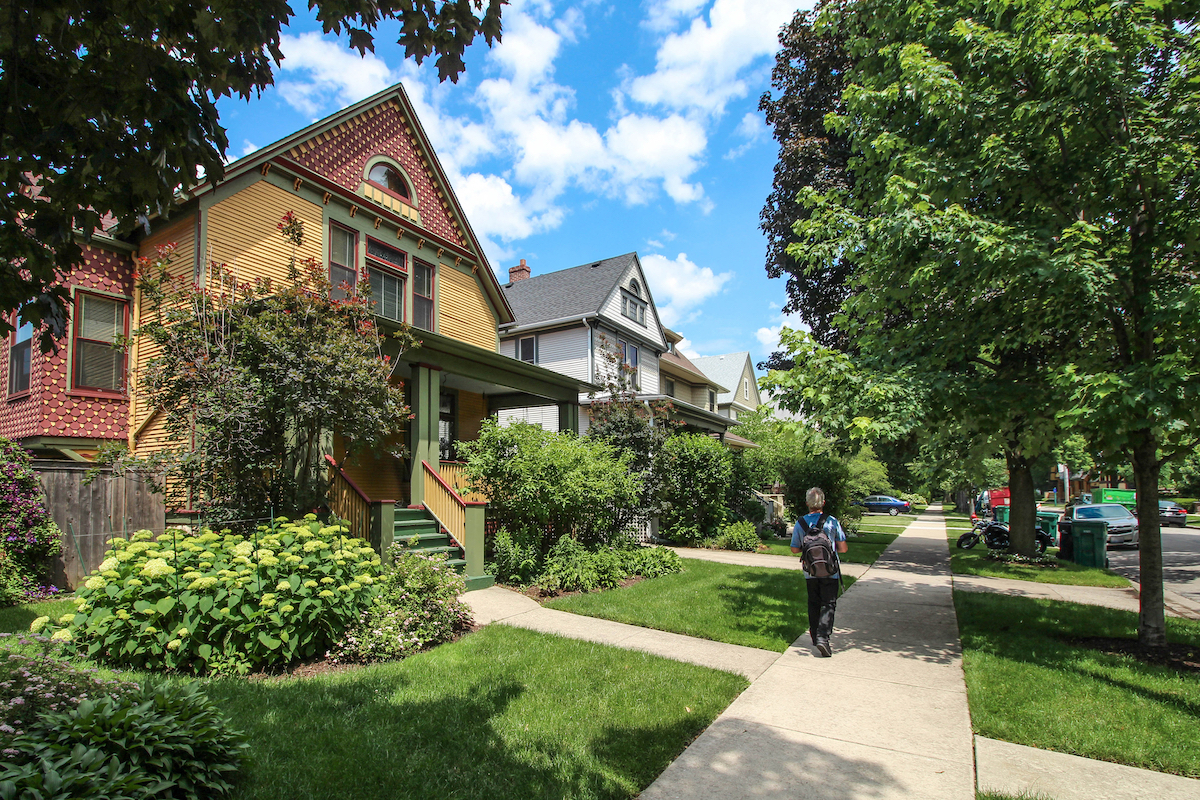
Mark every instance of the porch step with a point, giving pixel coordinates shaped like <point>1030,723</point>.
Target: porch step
<point>431,539</point>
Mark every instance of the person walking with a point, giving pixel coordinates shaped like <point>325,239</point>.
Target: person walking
<point>819,537</point>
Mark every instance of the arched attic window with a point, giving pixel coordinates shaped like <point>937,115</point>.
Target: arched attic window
<point>390,179</point>
<point>635,288</point>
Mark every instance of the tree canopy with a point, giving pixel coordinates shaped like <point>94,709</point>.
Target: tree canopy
<point>110,109</point>
<point>1024,213</point>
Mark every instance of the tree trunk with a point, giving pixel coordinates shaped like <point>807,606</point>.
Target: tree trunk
<point>1152,624</point>
<point>1022,513</point>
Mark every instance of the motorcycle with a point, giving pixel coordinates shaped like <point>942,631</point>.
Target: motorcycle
<point>995,535</point>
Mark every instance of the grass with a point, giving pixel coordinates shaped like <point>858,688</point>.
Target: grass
<point>16,619</point>
<point>864,548</point>
<point>752,606</point>
<point>976,562</point>
<point>499,713</point>
<point>1028,684</point>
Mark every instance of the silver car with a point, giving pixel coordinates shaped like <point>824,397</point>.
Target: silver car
<point>1122,524</point>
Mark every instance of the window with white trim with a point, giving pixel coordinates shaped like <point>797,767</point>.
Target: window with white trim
<point>422,296</point>
<point>629,358</point>
<point>20,358</point>
<point>343,264</point>
<point>527,349</point>
<point>712,400</point>
<point>668,387</point>
<point>633,308</point>
<point>745,388</point>
<point>98,363</point>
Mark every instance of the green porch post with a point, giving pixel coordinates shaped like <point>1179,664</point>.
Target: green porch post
<point>473,547</point>
<point>568,417</point>
<point>424,397</point>
<point>383,526</point>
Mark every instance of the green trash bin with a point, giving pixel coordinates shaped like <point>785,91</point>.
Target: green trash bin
<point>1001,513</point>
<point>1048,520</point>
<point>1090,538</point>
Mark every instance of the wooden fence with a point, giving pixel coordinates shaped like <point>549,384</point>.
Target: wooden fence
<point>90,515</point>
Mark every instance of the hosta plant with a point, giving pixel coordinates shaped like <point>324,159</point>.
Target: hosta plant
<point>220,602</point>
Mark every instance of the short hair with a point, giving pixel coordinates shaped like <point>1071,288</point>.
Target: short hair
<point>815,498</point>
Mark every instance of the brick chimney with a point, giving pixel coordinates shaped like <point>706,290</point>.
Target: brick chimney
<point>518,273</point>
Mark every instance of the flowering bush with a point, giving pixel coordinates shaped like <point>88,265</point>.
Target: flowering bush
<point>417,607</point>
<point>28,536</point>
<point>40,682</point>
<point>220,602</point>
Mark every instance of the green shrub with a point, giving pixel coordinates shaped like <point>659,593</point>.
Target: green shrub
<point>79,774</point>
<point>515,562</point>
<point>545,486</point>
<point>171,734</point>
<point>569,568</point>
<point>28,536</point>
<point>654,562</point>
<point>40,682</point>
<point>610,568</point>
<point>213,603</point>
<point>417,607</point>
<point>738,536</point>
<point>695,472</point>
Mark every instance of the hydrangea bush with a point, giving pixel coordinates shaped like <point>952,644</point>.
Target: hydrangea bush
<point>221,602</point>
<point>417,607</point>
<point>28,536</point>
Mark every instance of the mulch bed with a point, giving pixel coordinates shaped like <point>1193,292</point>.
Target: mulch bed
<point>1179,657</point>
<point>541,595</point>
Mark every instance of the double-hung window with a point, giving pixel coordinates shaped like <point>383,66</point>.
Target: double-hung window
<point>20,358</point>
<point>712,400</point>
<point>745,388</point>
<point>629,359</point>
<point>343,266</point>
<point>527,349</point>
<point>99,364</point>
<point>633,308</point>
<point>385,266</point>
<point>422,296</point>
<point>668,387</point>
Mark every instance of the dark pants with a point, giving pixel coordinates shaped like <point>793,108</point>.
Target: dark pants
<point>822,602</point>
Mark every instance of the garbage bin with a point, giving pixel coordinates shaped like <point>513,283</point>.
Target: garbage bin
<point>1048,521</point>
<point>1090,540</point>
<point>1001,513</point>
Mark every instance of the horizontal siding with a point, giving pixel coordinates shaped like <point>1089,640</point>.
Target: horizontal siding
<point>612,310</point>
<point>472,408</point>
<point>463,313</point>
<point>243,232</point>
<point>380,476</point>
<point>565,352</point>
<point>648,369</point>
<point>509,348</point>
<point>546,416</point>
<point>181,264</point>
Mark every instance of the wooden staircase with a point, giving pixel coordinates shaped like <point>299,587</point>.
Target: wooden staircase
<point>430,537</point>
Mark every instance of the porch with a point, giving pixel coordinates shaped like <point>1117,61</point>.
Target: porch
<point>450,387</point>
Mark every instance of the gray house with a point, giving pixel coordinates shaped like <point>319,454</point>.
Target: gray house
<point>581,321</point>
<point>736,372</point>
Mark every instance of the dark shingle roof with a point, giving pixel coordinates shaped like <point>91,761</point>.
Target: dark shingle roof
<point>567,293</point>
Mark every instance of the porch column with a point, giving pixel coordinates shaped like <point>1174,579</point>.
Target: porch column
<point>568,417</point>
<point>424,399</point>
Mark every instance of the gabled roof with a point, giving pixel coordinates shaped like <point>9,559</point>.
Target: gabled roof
<point>682,364</point>
<point>725,370</point>
<point>567,294</point>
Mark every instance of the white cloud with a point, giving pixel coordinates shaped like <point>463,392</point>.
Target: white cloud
<point>701,69</point>
<point>752,129</point>
<point>497,214</point>
<point>680,285</point>
<point>687,347</point>
<point>663,15</point>
<point>317,72</point>
<point>248,147</point>
<point>768,337</point>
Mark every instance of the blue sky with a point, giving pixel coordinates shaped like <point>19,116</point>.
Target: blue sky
<point>592,130</point>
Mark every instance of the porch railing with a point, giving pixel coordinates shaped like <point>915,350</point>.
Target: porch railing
<point>368,519</point>
<point>462,519</point>
<point>455,474</point>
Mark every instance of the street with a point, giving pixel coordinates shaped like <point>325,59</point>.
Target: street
<point>1181,562</point>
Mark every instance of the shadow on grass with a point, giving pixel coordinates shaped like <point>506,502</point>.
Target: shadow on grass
<point>16,619</point>
<point>767,602</point>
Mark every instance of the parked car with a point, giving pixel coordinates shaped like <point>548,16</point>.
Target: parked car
<point>882,503</point>
<point>1122,524</point>
<point>1171,513</point>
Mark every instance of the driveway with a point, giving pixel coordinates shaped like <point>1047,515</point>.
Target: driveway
<point>1181,562</point>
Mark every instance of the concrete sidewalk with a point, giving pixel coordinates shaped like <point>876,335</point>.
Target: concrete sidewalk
<point>886,717</point>
<point>743,559</point>
<point>1125,599</point>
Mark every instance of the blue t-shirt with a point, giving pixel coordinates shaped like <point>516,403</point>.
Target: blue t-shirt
<point>833,529</point>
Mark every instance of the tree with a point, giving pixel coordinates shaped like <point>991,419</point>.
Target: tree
<point>1034,159</point>
<point>254,381</point>
<point>696,469</point>
<point>110,109</point>
<point>808,77</point>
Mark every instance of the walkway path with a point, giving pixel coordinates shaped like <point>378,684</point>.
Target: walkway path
<point>1125,599</point>
<point>741,559</point>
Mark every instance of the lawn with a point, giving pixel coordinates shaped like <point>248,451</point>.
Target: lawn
<point>752,606</point>
<point>864,548</point>
<point>975,562</point>
<point>1029,683</point>
<point>499,713</point>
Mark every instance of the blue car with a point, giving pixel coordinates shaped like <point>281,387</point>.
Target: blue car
<point>881,503</point>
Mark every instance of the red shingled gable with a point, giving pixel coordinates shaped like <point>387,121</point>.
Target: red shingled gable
<point>341,154</point>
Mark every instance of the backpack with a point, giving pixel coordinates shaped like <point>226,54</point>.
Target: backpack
<point>817,550</point>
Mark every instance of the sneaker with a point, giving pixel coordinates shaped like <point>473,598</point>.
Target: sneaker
<point>813,636</point>
<point>824,649</point>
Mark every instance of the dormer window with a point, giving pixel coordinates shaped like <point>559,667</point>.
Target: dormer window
<point>635,289</point>
<point>389,178</point>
